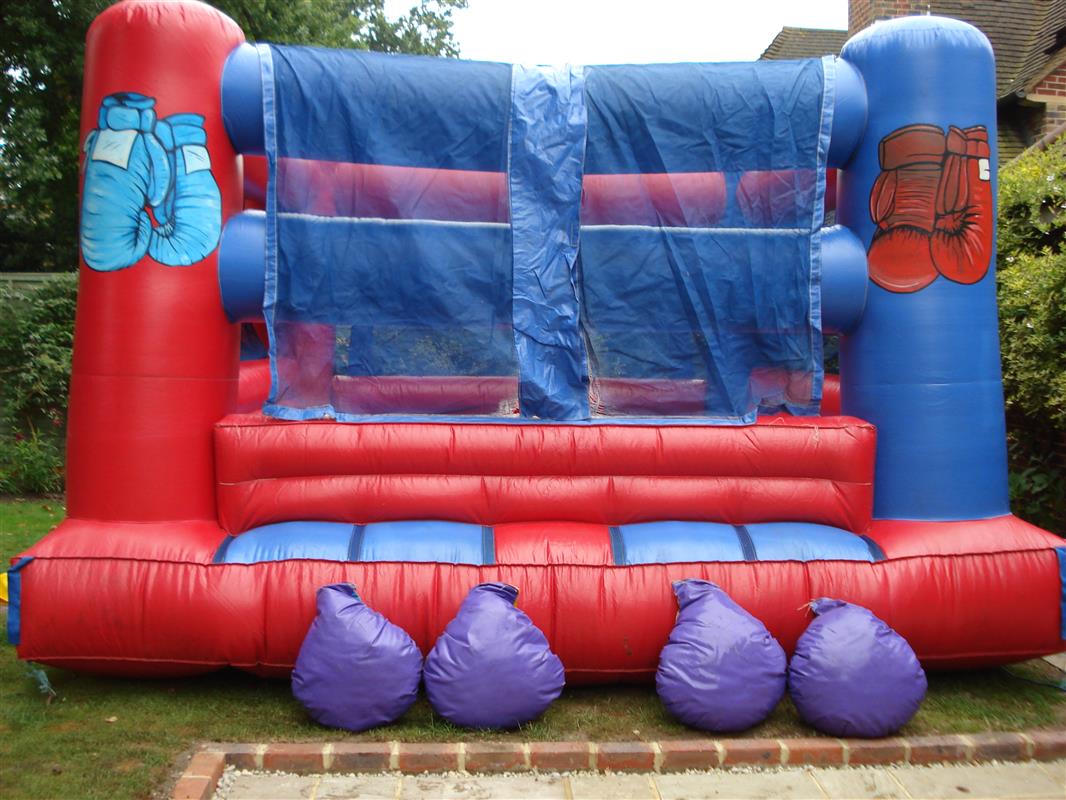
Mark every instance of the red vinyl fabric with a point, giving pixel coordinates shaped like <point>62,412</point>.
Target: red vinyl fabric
<point>155,359</point>
<point>253,385</point>
<point>801,469</point>
<point>831,395</point>
<point>399,192</point>
<point>381,395</point>
<point>108,598</point>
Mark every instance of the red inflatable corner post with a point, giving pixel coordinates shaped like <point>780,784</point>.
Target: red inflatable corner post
<point>155,360</point>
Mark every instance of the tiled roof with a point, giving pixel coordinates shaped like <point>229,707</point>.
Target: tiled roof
<point>1027,37</point>
<point>805,43</point>
<point>1046,46</point>
<point>1020,31</point>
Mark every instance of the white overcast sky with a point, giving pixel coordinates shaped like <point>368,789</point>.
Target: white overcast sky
<point>621,31</point>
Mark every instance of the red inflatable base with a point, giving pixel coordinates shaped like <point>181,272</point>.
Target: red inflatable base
<point>144,599</point>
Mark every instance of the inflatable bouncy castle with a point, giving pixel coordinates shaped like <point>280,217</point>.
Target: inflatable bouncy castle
<point>559,328</point>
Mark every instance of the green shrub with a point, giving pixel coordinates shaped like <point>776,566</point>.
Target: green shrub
<point>1032,203</point>
<point>1032,314</point>
<point>1032,322</point>
<point>31,464</point>
<point>36,337</point>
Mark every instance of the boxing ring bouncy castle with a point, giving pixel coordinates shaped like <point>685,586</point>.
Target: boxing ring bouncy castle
<point>555,327</point>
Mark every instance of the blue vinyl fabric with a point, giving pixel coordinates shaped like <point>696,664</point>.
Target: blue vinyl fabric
<point>664,542</point>
<point>580,320</point>
<point>1061,553</point>
<point>14,600</point>
<point>728,117</point>
<point>445,542</point>
<point>327,541</point>
<point>685,542</point>
<point>408,540</point>
<point>548,121</point>
<point>924,366</point>
<point>426,540</point>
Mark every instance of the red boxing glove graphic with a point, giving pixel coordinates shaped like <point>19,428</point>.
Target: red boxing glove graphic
<point>903,204</point>
<point>962,240</point>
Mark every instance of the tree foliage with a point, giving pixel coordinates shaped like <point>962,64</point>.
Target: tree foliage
<point>41,52</point>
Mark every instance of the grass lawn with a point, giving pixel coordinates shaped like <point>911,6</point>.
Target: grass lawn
<point>110,738</point>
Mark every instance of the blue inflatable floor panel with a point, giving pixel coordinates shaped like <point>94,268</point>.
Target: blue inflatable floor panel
<point>463,543</point>
<point>410,540</point>
<point>665,542</point>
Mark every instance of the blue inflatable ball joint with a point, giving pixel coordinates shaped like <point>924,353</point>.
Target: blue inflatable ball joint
<point>852,675</point>
<point>721,669</point>
<point>356,670</point>
<point>492,667</point>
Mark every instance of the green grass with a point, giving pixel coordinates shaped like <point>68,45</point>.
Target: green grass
<point>68,748</point>
<point>23,522</point>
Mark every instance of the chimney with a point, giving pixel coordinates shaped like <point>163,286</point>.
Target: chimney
<point>862,13</point>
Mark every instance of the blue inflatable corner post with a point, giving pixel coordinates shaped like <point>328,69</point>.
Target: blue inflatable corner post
<point>923,365</point>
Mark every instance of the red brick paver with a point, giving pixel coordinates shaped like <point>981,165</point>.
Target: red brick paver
<point>495,757</point>
<point>814,752</point>
<point>863,752</point>
<point>999,746</point>
<point>428,757</point>
<point>1048,744</point>
<point>934,749</point>
<point>559,756</point>
<point>762,752</point>
<point>680,755</point>
<point>200,778</point>
<point>361,757</point>
<point>625,757</point>
<point>303,758</point>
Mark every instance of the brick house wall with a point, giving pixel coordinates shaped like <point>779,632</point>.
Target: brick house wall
<point>862,13</point>
<point>1051,91</point>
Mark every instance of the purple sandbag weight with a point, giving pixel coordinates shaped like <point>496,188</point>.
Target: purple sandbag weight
<point>355,669</point>
<point>492,667</point>
<point>852,675</point>
<point>721,670</point>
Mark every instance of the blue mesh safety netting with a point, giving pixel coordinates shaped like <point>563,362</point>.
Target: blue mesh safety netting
<point>509,243</point>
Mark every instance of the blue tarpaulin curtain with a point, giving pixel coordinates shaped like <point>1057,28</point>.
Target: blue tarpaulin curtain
<point>475,240</point>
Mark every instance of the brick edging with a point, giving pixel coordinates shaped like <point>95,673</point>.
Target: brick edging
<point>201,776</point>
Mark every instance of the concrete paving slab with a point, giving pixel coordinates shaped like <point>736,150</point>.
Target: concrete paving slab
<point>784,785</point>
<point>1057,660</point>
<point>271,786</point>
<point>975,782</point>
<point>1055,769</point>
<point>1003,781</point>
<point>859,782</point>
<point>612,787</point>
<point>482,787</point>
<point>357,787</point>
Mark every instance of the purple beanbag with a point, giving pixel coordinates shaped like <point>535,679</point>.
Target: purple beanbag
<point>852,675</point>
<point>492,667</point>
<point>355,669</point>
<point>721,670</point>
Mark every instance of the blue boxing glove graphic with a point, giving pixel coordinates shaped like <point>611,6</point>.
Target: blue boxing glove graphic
<point>133,163</point>
<point>126,168</point>
<point>190,216</point>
